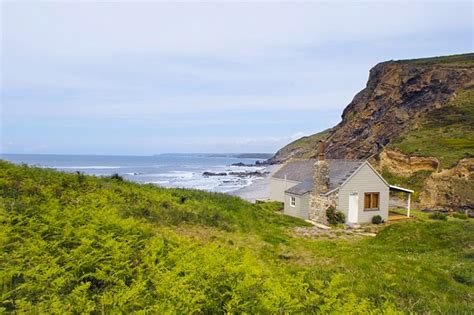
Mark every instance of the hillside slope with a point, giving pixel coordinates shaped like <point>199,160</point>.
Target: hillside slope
<point>301,148</point>
<point>413,115</point>
<point>71,243</point>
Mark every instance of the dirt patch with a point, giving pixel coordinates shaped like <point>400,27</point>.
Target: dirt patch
<point>337,233</point>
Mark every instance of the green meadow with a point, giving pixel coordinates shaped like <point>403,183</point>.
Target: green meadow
<point>72,243</point>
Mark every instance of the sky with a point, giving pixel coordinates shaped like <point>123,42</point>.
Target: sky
<point>141,78</point>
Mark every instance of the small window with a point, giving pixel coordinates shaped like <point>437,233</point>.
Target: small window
<point>371,201</point>
<point>293,201</point>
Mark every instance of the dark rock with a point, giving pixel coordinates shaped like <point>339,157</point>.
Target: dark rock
<point>213,174</point>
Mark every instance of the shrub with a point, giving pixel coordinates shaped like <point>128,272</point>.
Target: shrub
<point>81,177</point>
<point>377,219</point>
<point>117,177</point>
<point>459,215</point>
<point>439,216</point>
<point>334,217</point>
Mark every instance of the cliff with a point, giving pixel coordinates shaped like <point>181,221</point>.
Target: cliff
<point>420,109</point>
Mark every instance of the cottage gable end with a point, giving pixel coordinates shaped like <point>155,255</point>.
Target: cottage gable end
<point>365,172</point>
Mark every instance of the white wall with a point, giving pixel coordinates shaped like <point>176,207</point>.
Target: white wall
<point>278,187</point>
<point>365,180</point>
<point>301,208</point>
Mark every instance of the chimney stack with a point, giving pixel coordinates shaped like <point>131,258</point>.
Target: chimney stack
<point>321,173</point>
<point>321,150</point>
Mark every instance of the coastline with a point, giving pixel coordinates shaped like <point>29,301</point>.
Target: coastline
<point>258,190</point>
<point>222,173</point>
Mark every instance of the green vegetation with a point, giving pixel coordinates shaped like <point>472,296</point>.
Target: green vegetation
<point>335,217</point>
<point>377,219</point>
<point>447,133</point>
<point>305,147</point>
<point>439,216</point>
<point>117,177</point>
<point>459,215</point>
<point>414,182</point>
<point>72,243</point>
<point>453,60</point>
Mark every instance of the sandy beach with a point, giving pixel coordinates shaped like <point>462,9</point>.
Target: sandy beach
<point>259,189</point>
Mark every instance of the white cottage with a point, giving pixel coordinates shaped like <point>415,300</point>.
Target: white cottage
<point>354,187</point>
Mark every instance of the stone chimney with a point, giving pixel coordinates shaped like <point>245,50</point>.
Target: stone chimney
<point>321,173</point>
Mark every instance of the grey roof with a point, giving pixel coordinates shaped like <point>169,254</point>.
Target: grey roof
<point>296,170</point>
<point>302,171</point>
<point>302,188</point>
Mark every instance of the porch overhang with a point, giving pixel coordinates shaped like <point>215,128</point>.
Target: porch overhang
<point>408,192</point>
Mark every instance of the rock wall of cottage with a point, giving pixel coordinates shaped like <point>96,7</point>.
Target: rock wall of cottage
<point>318,205</point>
<point>320,177</point>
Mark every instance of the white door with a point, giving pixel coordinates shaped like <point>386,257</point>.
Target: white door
<point>353,207</point>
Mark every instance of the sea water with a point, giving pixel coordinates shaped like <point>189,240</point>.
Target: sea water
<point>167,170</point>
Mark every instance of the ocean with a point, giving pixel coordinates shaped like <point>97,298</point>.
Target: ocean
<point>166,170</point>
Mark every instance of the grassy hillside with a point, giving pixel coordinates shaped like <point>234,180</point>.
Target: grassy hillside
<point>304,147</point>
<point>72,243</point>
<point>446,133</point>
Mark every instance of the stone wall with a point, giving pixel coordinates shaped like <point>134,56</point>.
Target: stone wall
<point>320,177</point>
<point>318,205</point>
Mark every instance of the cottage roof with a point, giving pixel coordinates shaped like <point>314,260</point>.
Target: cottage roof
<point>301,188</point>
<point>302,171</point>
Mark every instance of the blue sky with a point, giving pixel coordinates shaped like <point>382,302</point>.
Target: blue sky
<point>151,77</point>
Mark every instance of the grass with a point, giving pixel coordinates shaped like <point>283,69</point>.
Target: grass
<point>414,182</point>
<point>79,244</point>
<point>447,133</point>
<point>461,60</point>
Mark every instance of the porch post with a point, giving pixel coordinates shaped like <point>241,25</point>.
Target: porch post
<point>408,204</point>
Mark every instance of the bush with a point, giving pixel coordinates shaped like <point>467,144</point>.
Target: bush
<point>376,219</point>
<point>334,217</point>
<point>117,177</point>
<point>459,215</point>
<point>439,216</point>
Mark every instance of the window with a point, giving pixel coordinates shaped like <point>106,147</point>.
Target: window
<point>293,201</point>
<point>371,201</point>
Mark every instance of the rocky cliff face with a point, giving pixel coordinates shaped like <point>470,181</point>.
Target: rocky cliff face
<point>398,100</point>
<point>397,96</point>
<point>450,188</point>
<point>403,164</point>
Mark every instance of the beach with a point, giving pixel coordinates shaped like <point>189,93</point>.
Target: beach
<point>259,189</point>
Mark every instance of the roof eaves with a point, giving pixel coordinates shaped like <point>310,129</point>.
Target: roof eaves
<point>401,189</point>
<point>331,191</point>
<point>296,194</point>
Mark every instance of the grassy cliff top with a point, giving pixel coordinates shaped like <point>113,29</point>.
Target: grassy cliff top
<point>72,243</point>
<point>453,60</point>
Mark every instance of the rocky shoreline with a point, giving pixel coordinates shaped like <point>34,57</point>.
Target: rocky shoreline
<point>238,174</point>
